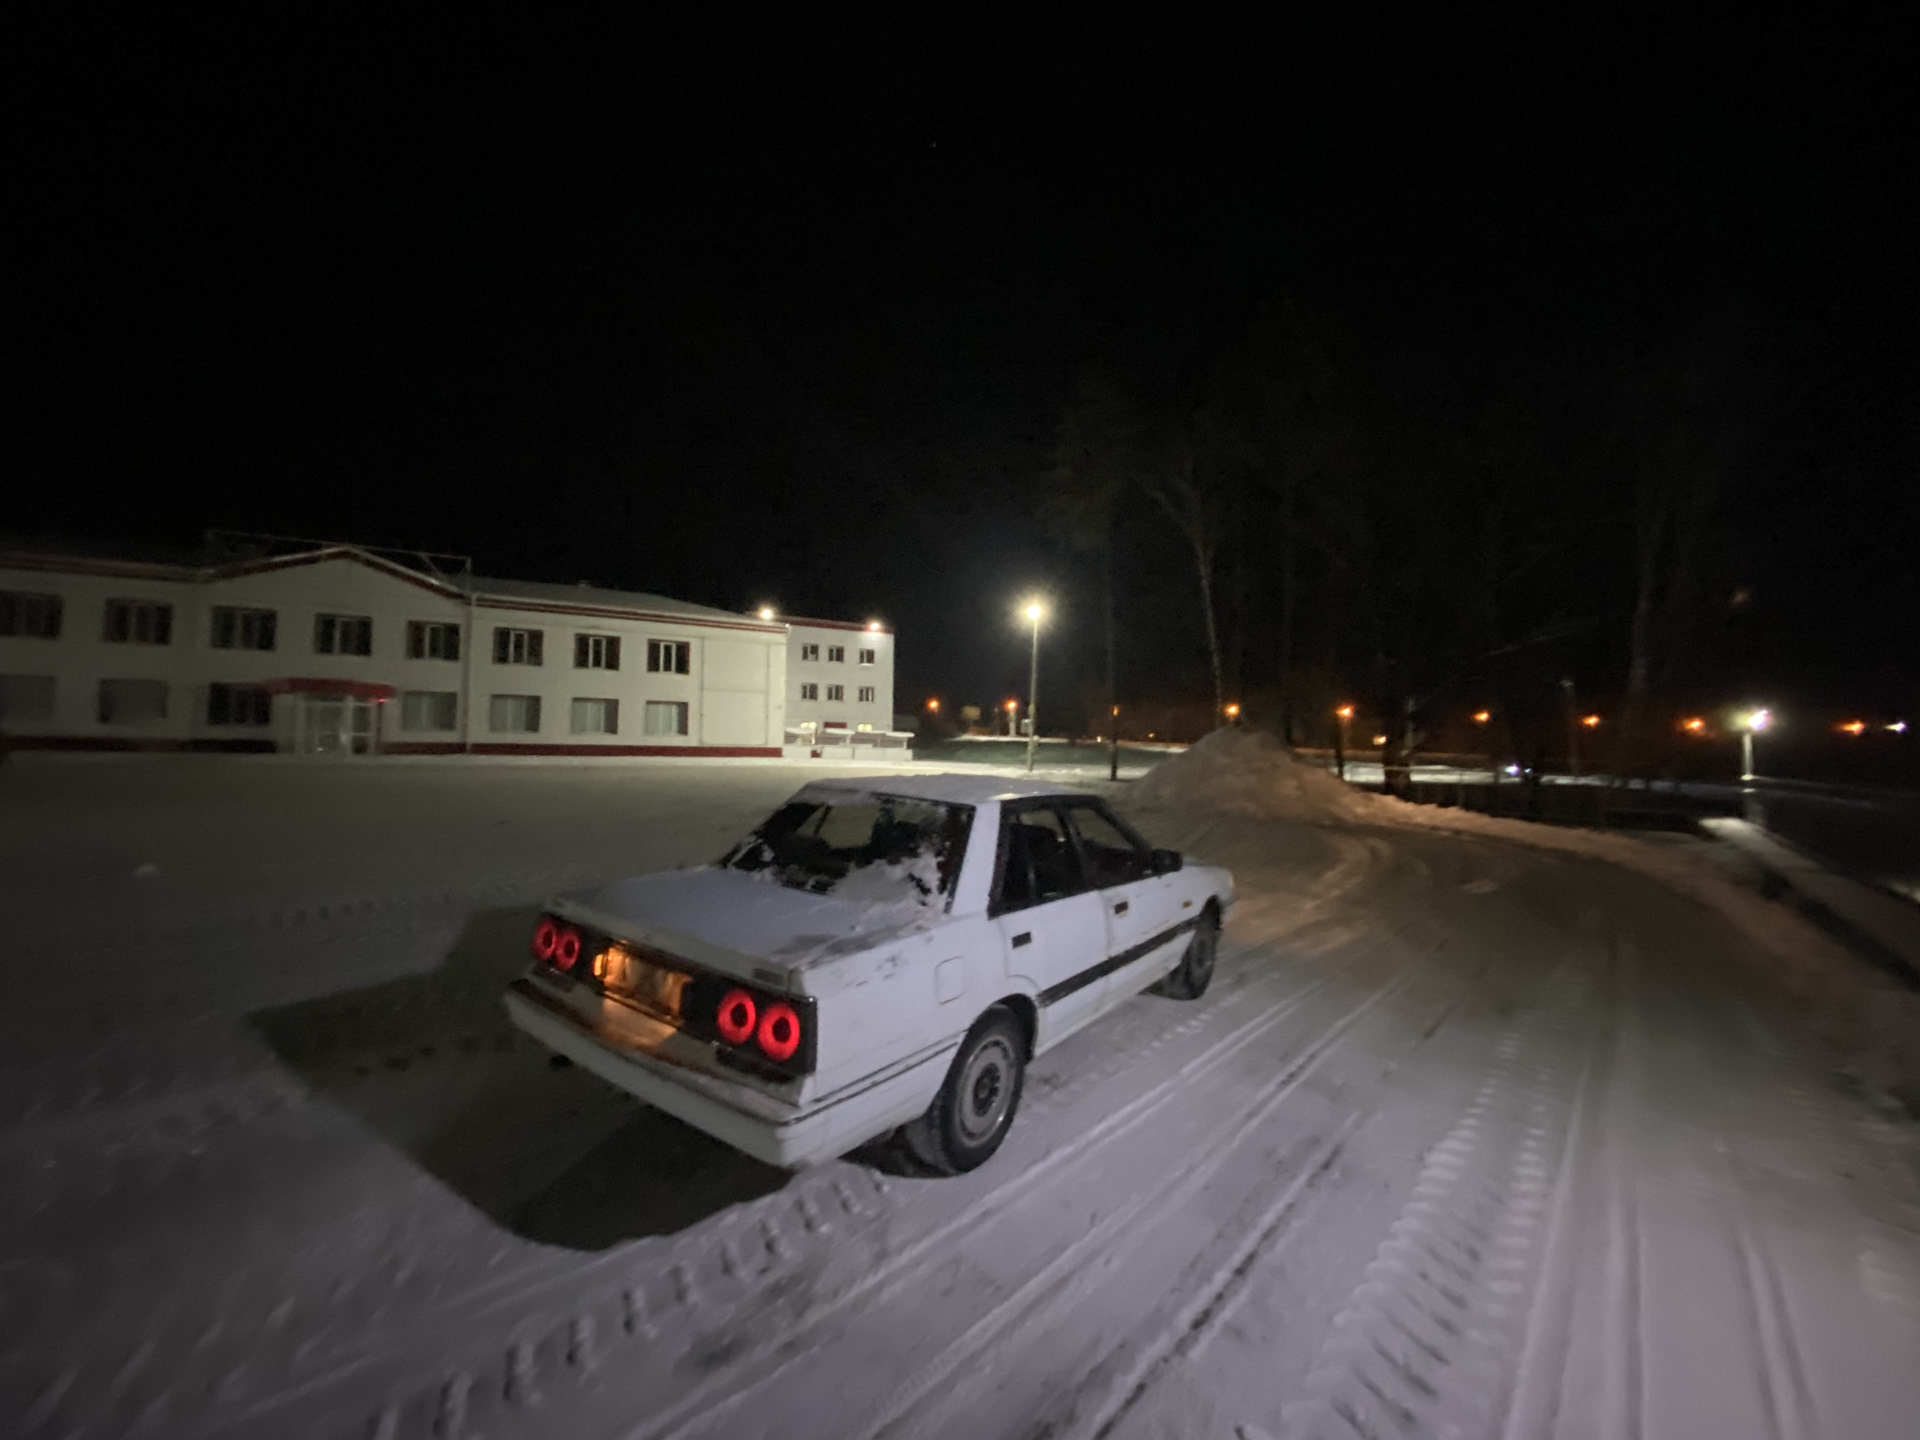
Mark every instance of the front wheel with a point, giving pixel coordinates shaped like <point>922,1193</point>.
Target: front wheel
<point>969,1117</point>
<point>1190,978</point>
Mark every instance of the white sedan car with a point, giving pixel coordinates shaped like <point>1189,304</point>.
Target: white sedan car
<point>879,953</point>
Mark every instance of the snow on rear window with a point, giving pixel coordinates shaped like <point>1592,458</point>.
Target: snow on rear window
<point>875,849</point>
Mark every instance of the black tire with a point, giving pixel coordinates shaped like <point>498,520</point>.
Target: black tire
<point>971,1115</point>
<point>1190,978</point>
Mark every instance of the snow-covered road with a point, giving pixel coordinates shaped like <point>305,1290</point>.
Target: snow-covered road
<point>1468,1138</point>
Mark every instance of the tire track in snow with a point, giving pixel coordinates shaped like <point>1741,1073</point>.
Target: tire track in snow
<point>1531,1398</point>
<point>1782,1366</point>
<point>1118,1234</point>
<point>1419,1340</point>
<point>1403,1307</point>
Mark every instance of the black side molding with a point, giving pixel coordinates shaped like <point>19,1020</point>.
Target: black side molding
<point>1025,937</point>
<point>1115,962</point>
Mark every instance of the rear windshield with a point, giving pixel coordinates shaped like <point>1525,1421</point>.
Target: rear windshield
<point>861,847</point>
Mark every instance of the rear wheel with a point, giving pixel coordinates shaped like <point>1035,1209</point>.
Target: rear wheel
<point>969,1117</point>
<point>1190,978</point>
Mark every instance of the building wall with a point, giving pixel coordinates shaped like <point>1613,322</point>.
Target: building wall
<point>732,692</point>
<point>850,712</point>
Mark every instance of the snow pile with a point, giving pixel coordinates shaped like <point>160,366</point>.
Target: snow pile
<point>1251,773</point>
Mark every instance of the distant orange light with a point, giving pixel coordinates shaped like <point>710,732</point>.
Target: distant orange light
<point>1693,726</point>
<point>1345,712</point>
<point>1233,712</point>
<point>934,705</point>
<point>873,624</point>
<point>1481,717</point>
<point>1592,722</point>
<point>1013,704</point>
<point>1379,739</point>
<point>1853,727</point>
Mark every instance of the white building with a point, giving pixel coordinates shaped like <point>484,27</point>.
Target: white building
<point>337,649</point>
<point>839,694</point>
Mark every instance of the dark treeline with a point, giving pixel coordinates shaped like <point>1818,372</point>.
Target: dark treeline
<point>1541,540</point>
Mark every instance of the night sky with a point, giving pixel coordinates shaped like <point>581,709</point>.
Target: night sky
<point>791,317</point>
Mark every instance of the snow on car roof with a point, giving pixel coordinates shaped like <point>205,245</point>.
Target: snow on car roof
<point>948,787</point>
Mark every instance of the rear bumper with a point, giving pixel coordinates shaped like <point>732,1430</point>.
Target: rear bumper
<point>629,1050</point>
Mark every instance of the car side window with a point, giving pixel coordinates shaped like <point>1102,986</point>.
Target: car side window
<point>1040,862</point>
<point>1112,855</point>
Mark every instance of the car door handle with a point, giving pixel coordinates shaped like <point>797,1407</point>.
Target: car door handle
<point>1121,908</point>
<point>1023,938</point>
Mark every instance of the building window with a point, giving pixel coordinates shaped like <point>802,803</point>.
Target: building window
<point>596,652</point>
<point>866,694</point>
<point>36,617</point>
<point>238,705</point>
<point>836,692</point>
<point>866,657</point>
<point>343,635</point>
<point>432,640</point>
<point>132,702</point>
<point>669,657</point>
<point>514,714</point>
<point>138,622</point>
<point>517,647</point>
<point>236,629</point>
<point>26,697</point>
<point>809,691</point>
<point>837,654</point>
<point>666,717</point>
<point>809,652</point>
<point>429,710</point>
<point>596,717</point>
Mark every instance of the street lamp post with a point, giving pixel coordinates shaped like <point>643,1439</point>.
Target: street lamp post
<point>1345,712</point>
<point>1573,730</point>
<point>1035,612</point>
<point>1753,725</point>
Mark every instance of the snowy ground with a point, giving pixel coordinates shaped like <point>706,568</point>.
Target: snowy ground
<point>1469,1138</point>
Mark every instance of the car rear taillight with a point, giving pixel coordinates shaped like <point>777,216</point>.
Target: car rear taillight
<point>736,1015</point>
<point>556,942</point>
<point>759,1031</point>
<point>779,1032</point>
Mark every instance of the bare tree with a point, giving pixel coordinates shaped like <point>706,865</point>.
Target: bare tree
<point>1096,460</point>
<point>1679,439</point>
<point>1190,481</point>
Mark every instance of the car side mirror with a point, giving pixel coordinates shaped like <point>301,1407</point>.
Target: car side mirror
<point>1165,862</point>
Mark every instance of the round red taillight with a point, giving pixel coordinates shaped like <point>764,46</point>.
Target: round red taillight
<point>736,1015</point>
<point>566,949</point>
<point>779,1033</point>
<point>546,938</point>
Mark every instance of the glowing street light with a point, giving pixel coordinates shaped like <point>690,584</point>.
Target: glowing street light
<point>1345,712</point>
<point>1481,717</point>
<point>933,704</point>
<point>1233,714</point>
<point>1898,727</point>
<point>766,612</point>
<point>1852,727</point>
<point>1694,725</point>
<point>1592,722</point>
<point>1751,725</point>
<point>1035,611</point>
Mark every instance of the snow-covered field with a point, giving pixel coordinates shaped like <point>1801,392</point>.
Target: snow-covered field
<point>1471,1137</point>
